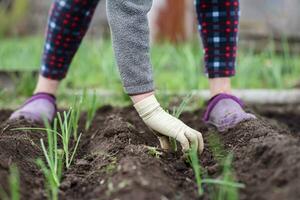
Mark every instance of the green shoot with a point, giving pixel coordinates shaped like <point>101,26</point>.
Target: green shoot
<point>194,162</point>
<point>176,113</point>
<point>173,144</point>
<point>91,110</point>
<point>51,183</point>
<point>14,181</point>
<point>226,186</point>
<point>3,194</point>
<point>227,190</point>
<point>52,157</point>
<point>66,126</point>
<point>14,184</point>
<point>75,116</point>
<point>216,147</point>
<point>53,168</point>
<point>154,152</point>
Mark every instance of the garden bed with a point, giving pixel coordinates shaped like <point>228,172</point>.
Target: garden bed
<point>114,160</point>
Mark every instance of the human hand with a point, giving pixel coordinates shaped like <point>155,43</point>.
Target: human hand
<point>165,124</point>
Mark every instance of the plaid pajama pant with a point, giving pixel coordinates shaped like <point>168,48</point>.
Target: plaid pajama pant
<point>218,22</point>
<point>69,20</point>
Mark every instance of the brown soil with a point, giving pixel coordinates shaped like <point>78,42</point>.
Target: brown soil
<point>114,162</point>
<point>21,148</point>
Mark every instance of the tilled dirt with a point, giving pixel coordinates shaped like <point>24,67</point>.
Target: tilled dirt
<point>114,160</point>
<point>21,148</point>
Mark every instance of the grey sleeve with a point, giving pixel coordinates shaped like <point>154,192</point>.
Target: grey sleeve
<point>130,34</point>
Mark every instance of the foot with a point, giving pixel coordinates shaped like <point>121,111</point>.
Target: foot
<point>36,108</point>
<point>225,111</point>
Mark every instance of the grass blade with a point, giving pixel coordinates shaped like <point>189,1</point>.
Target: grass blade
<point>75,149</point>
<point>223,183</point>
<point>14,181</point>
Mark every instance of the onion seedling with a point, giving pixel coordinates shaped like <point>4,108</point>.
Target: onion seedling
<point>75,115</point>
<point>52,179</point>
<point>14,184</point>
<point>194,162</point>
<point>91,110</point>
<point>176,113</point>
<point>53,167</point>
<point>14,180</point>
<point>153,151</point>
<point>66,127</point>
<point>53,155</point>
<point>226,185</point>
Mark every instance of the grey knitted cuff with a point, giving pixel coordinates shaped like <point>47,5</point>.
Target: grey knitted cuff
<point>139,89</point>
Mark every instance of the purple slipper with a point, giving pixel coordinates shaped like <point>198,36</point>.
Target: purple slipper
<point>225,111</point>
<point>34,109</point>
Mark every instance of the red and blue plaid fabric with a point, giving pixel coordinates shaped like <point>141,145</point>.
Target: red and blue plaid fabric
<point>67,25</point>
<point>70,19</point>
<point>218,26</point>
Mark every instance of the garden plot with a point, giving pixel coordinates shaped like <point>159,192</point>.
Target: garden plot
<point>116,159</point>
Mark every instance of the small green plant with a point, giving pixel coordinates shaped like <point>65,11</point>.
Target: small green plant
<point>52,182</point>
<point>14,182</point>
<point>176,113</point>
<point>91,104</point>
<point>194,162</point>
<point>54,156</point>
<point>14,185</point>
<point>223,184</point>
<point>75,115</point>
<point>229,190</point>
<point>66,127</point>
<point>223,188</point>
<point>216,147</point>
<point>54,159</point>
<point>152,151</point>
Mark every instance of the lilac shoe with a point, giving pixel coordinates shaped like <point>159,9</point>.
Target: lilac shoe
<point>34,109</point>
<point>225,111</point>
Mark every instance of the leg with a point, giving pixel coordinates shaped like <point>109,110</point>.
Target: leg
<point>68,22</point>
<point>67,25</point>
<point>218,25</point>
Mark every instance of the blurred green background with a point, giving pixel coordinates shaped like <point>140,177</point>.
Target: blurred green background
<point>268,55</point>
